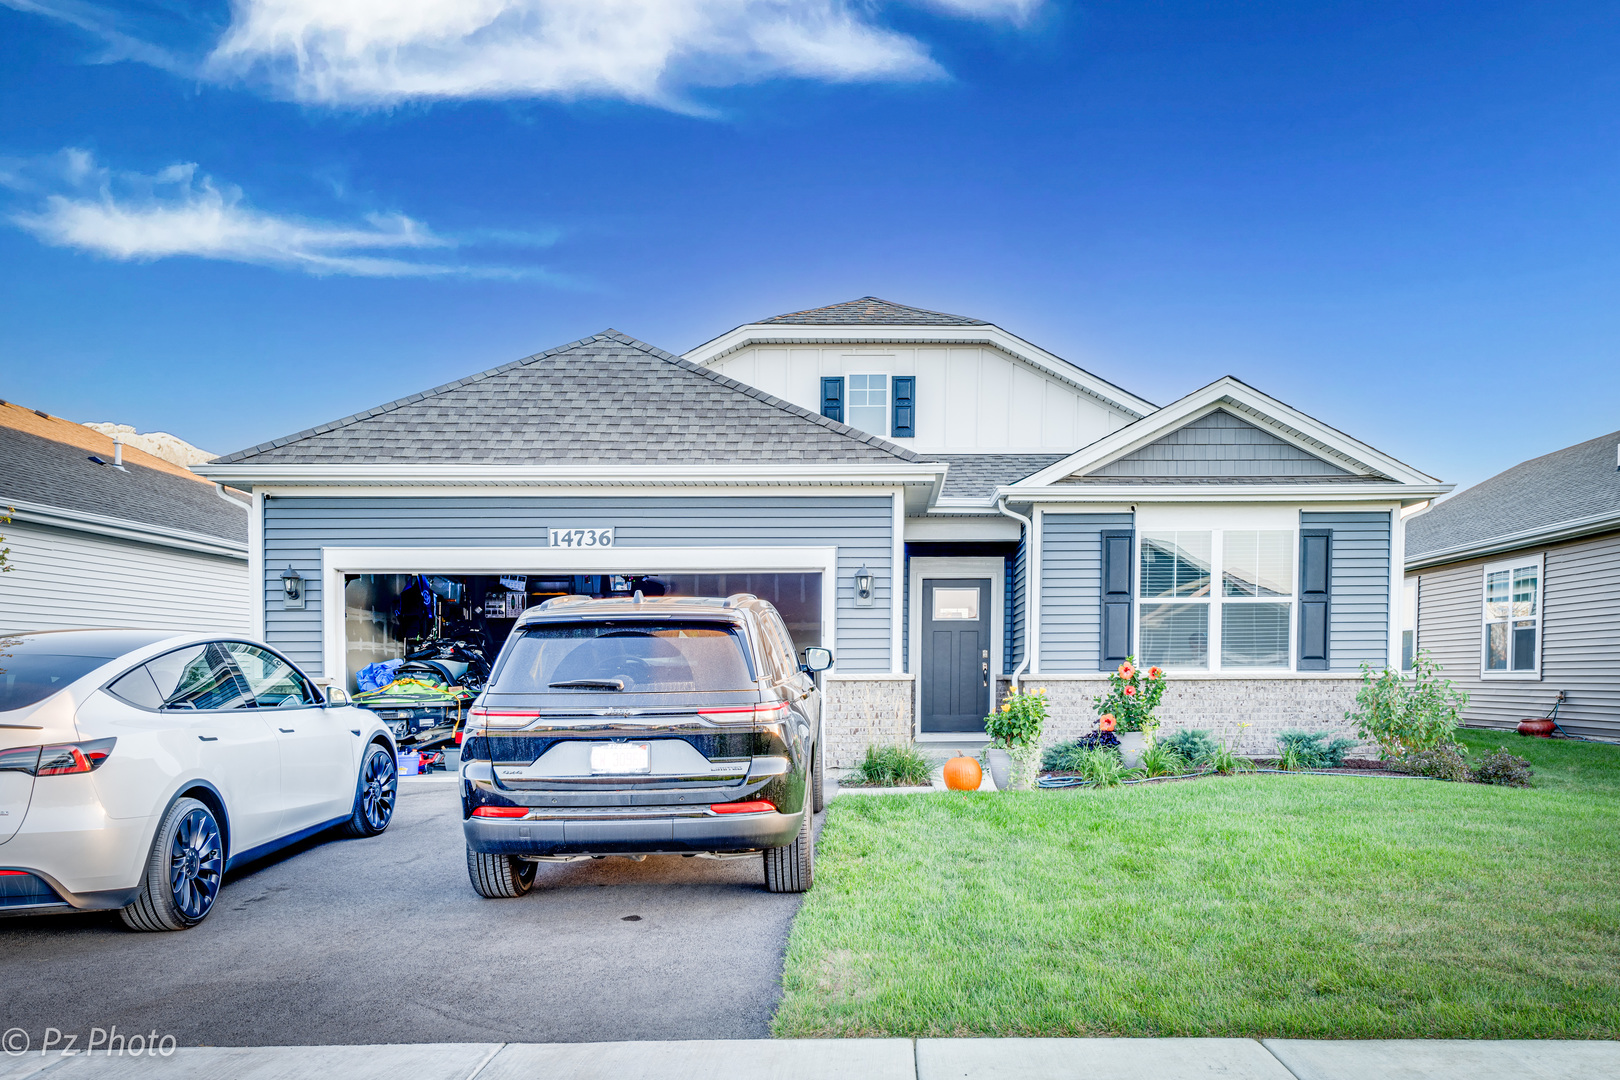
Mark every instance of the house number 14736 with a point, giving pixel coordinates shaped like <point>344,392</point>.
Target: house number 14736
<point>581,538</point>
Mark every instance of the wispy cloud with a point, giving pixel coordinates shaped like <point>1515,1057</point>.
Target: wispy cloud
<point>377,53</point>
<point>179,211</point>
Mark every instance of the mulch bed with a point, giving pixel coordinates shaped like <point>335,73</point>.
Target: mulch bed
<point>1351,766</point>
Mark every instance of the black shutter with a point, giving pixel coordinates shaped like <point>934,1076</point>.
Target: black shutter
<point>1116,598</point>
<point>905,411</point>
<point>1315,595</point>
<point>832,398</point>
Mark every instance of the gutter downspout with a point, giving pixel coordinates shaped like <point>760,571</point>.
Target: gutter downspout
<point>1028,533</point>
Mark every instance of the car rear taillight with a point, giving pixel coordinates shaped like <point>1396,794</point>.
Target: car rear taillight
<point>753,806</point>
<point>501,811</point>
<point>58,759</point>
<point>773,713</point>
<point>485,717</point>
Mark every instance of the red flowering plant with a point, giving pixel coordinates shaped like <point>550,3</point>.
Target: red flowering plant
<point>1132,696</point>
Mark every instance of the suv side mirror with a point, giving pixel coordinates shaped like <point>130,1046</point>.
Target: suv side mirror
<point>817,659</point>
<point>337,696</point>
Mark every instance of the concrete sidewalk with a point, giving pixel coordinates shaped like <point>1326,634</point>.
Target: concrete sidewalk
<point>877,1059</point>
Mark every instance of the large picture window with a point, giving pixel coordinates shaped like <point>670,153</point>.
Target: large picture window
<point>1513,618</point>
<point>1250,614</point>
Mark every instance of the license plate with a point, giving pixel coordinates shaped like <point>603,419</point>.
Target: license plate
<point>621,758</point>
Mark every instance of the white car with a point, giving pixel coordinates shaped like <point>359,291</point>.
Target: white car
<point>138,766</point>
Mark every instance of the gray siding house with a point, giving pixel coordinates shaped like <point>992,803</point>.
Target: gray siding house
<point>1514,587</point>
<point>950,508</point>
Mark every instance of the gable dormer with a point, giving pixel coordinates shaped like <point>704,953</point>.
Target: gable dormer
<point>933,382</point>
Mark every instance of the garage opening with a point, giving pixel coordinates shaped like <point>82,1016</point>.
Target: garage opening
<point>417,646</point>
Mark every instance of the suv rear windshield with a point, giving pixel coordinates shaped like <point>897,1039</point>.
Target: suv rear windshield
<point>28,675</point>
<point>592,657</point>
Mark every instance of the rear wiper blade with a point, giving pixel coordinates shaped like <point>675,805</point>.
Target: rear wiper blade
<point>589,684</point>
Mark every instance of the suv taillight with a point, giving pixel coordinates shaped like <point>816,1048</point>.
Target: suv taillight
<point>481,716</point>
<point>57,759</point>
<point>773,713</point>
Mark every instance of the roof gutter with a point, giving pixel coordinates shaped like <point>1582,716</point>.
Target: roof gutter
<point>1568,530</point>
<point>430,474</point>
<point>124,529</point>
<point>1026,529</point>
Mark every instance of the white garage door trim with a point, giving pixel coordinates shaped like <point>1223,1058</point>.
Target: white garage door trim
<point>336,562</point>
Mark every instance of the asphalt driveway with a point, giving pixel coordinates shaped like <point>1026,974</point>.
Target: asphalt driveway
<point>384,941</point>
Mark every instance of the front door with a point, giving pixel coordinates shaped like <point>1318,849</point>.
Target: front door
<point>955,653</point>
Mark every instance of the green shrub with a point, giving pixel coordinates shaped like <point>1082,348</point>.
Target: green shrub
<point>1194,747</point>
<point>1160,760</point>
<point>895,766</point>
<point>1102,767</point>
<point>1313,751</point>
<point>1019,720</point>
<point>1443,762</point>
<point>1502,767</point>
<point>1226,763</point>
<point>1065,756</point>
<point>1407,716</point>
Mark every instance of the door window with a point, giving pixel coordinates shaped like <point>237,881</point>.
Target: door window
<point>271,680</point>
<point>956,604</point>
<point>201,677</point>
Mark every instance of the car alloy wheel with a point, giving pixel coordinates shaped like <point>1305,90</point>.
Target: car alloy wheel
<point>379,785</point>
<point>196,862</point>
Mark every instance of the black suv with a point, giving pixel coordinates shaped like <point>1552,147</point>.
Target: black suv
<point>644,726</point>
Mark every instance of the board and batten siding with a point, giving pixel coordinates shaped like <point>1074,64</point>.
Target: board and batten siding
<point>1359,598</point>
<point>296,528</point>
<point>1071,589</point>
<point>1580,643</point>
<point>63,579</point>
<point>969,398</point>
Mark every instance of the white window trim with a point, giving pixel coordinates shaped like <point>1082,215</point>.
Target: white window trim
<point>1216,600</point>
<point>888,400</point>
<point>931,567</point>
<point>1539,560</point>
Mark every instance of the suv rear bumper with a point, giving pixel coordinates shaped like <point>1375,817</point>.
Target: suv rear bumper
<point>645,832</point>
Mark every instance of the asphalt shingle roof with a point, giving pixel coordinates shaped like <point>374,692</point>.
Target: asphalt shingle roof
<point>46,460</point>
<point>1575,483</point>
<point>871,311</point>
<point>606,399</point>
<point>977,475</point>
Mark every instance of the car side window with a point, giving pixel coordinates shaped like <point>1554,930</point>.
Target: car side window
<point>786,662</point>
<point>271,680</point>
<point>201,677</point>
<point>137,688</point>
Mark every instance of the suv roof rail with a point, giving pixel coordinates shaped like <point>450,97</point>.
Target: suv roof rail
<point>559,601</point>
<point>737,598</point>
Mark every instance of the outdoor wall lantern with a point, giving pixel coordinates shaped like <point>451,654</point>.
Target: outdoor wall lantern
<point>292,588</point>
<point>863,587</point>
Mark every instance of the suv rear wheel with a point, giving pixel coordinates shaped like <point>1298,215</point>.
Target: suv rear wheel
<point>790,869</point>
<point>499,877</point>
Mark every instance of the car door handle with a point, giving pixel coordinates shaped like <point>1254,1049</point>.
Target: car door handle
<point>354,731</point>
<point>208,738</point>
<point>287,730</point>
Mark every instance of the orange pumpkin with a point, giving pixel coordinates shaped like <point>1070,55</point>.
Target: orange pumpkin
<point>963,774</point>
<point>1106,723</point>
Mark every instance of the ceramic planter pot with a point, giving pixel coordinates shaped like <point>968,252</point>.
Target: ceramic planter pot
<point>1131,745</point>
<point>1541,729</point>
<point>1000,767</point>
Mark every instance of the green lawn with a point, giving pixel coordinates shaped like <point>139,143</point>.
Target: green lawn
<point>1254,906</point>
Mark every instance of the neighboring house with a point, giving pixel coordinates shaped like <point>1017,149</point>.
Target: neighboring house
<point>1514,588</point>
<point>947,506</point>
<point>108,535</point>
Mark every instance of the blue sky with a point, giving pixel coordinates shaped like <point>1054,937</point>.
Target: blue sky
<point>1401,218</point>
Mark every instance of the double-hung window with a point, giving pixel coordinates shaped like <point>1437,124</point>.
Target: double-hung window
<point>1250,614</point>
<point>1512,630</point>
<point>868,403</point>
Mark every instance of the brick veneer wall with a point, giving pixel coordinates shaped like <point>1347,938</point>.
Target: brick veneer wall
<point>861,712</point>
<point>1220,706</point>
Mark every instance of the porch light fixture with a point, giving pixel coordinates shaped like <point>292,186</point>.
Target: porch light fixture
<point>292,588</point>
<point>863,587</point>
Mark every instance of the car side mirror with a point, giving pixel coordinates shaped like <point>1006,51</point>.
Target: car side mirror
<point>336,696</point>
<point>817,659</point>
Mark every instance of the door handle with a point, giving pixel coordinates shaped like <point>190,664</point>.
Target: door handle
<point>287,730</point>
<point>208,738</point>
